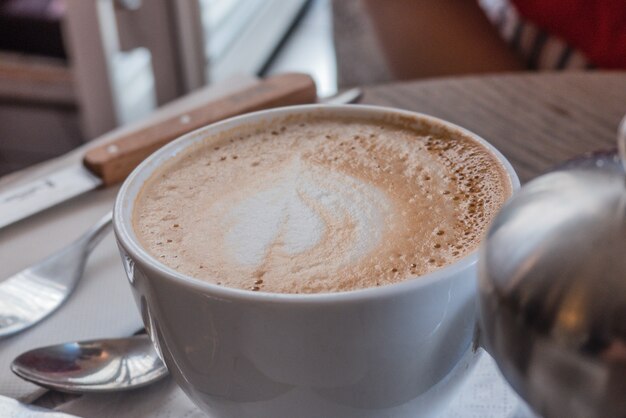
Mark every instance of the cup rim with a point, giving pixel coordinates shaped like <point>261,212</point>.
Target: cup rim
<point>125,199</point>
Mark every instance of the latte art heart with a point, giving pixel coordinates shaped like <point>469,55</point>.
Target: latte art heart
<point>307,211</point>
<point>320,204</point>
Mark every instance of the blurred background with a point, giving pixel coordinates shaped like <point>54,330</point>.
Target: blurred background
<point>71,70</point>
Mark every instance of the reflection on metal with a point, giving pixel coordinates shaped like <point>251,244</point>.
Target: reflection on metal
<point>552,293</point>
<point>92,366</point>
<point>20,202</point>
<point>34,293</point>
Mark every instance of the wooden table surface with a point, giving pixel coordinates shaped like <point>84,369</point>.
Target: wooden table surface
<point>535,120</point>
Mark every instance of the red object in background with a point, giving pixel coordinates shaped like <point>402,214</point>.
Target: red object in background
<point>595,27</point>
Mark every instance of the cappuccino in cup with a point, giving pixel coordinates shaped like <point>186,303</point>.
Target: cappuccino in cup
<point>319,204</point>
<point>352,232</point>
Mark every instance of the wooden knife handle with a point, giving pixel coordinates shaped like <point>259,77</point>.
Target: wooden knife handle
<point>113,161</point>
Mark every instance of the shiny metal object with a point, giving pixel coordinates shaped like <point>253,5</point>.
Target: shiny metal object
<point>348,96</point>
<point>552,292</point>
<point>92,366</point>
<point>23,201</point>
<point>34,293</point>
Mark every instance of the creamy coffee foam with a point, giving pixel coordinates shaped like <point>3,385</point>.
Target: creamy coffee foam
<point>297,213</point>
<point>320,205</point>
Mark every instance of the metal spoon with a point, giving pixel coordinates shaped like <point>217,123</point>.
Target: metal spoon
<point>92,366</point>
<point>34,293</point>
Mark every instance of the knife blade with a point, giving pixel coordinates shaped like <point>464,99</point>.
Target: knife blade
<point>108,164</point>
<point>14,409</point>
<point>21,202</point>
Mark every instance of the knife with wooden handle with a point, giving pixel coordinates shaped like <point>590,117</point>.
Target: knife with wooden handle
<point>110,163</point>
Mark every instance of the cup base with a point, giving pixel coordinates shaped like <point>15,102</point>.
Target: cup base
<point>305,403</point>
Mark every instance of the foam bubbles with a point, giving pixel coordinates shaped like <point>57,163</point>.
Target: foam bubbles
<point>320,205</point>
<point>305,211</point>
<point>255,224</point>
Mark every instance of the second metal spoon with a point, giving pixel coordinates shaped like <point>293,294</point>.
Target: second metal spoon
<point>92,366</point>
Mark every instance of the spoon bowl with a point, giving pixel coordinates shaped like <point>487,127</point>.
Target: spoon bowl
<point>92,366</point>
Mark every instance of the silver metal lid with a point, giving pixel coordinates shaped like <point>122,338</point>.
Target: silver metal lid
<point>552,292</point>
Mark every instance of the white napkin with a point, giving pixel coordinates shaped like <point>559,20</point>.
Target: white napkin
<point>484,395</point>
<point>487,395</point>
<point>102,305</point>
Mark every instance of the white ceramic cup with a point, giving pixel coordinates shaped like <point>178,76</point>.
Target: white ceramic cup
<point>394,351</point>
